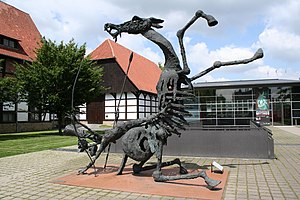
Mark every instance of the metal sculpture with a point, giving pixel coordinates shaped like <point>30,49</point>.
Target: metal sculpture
<point>143,138</point>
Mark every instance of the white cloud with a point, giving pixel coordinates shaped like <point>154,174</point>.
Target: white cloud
<point>272,24</point>
<point>140,45</point>
<point>210,78</point>
<point>200,58</point>
<point>280,44</point>
<point>266,71</point>
<point>284,15</point>
<point>64,20</point>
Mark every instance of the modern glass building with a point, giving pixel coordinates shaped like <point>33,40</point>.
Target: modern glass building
<point>234,103</point>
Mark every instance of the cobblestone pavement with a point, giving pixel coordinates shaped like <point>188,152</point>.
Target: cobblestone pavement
<point>29,176</point>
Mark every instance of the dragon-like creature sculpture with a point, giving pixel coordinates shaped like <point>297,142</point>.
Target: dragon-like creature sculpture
<point>143,138</point>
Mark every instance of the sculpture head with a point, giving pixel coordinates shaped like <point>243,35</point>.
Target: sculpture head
<point>135,26</point>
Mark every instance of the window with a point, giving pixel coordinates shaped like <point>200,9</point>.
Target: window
<point>2,65</point>
<point>34,117</point>
<point>296,105</point>
<point>296,113</point>
<point>8,116</point>
<point>10,43</point>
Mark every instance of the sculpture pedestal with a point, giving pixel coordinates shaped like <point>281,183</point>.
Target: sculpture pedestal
<point>143,183</point>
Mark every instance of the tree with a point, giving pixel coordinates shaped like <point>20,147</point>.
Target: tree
<point>1,64</point>
<point>48,80</point>
<point>161,66</point>
<point>10,93</point>
<point>9,89</point>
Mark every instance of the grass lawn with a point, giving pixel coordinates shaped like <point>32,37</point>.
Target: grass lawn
<point>19,143</point>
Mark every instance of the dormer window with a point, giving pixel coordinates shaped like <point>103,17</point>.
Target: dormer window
<point>7,42</point>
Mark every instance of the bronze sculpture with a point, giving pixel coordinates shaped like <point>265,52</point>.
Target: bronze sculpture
<point>143,138</point>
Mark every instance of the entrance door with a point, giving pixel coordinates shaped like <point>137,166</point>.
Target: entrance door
<point>281,113</point>
<point>95,111</point>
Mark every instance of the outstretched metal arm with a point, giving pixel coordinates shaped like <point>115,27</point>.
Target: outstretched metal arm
<point>258,54</point>
<point>74,119</point>
<point>211,21</point>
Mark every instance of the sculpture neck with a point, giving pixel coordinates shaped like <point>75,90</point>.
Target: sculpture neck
<point>171,59</point>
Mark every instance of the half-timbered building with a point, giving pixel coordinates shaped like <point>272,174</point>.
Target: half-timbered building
<point>19,39</point>
<point>137,98</point>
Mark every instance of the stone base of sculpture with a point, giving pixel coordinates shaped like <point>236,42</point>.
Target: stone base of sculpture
<point>143,183</point>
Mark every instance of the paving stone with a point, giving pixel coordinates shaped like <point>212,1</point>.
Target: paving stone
<point>132,197</point>
<point>28,176</point>
<point>253,196</point>
<point>229,196</point>
<point>7,198</point>
<point>120,196</point>
<point>36,197</point>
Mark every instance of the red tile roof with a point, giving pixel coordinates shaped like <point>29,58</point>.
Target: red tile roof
<point>143,73</point>
<point>18,25</point>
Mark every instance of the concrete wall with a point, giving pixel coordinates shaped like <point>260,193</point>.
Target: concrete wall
<point>234,142</point>
<point>24,127</point>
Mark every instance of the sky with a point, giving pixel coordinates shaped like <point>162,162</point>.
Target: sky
<point>244,26</point>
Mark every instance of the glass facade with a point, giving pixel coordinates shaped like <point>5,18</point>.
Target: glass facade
<point>236,106</point>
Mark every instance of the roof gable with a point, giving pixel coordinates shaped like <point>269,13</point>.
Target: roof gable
<point>143,73</point>
<point>19,26</point>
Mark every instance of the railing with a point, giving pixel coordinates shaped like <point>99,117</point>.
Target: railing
<point>198,126</point>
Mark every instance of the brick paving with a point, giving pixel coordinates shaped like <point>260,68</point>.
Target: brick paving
<point>29,176</point>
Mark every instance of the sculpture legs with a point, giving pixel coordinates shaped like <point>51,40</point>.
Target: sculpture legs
<point>137,168</point>
<point>159,177</point>
<point>211,183</point>
<point>123,163</point>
